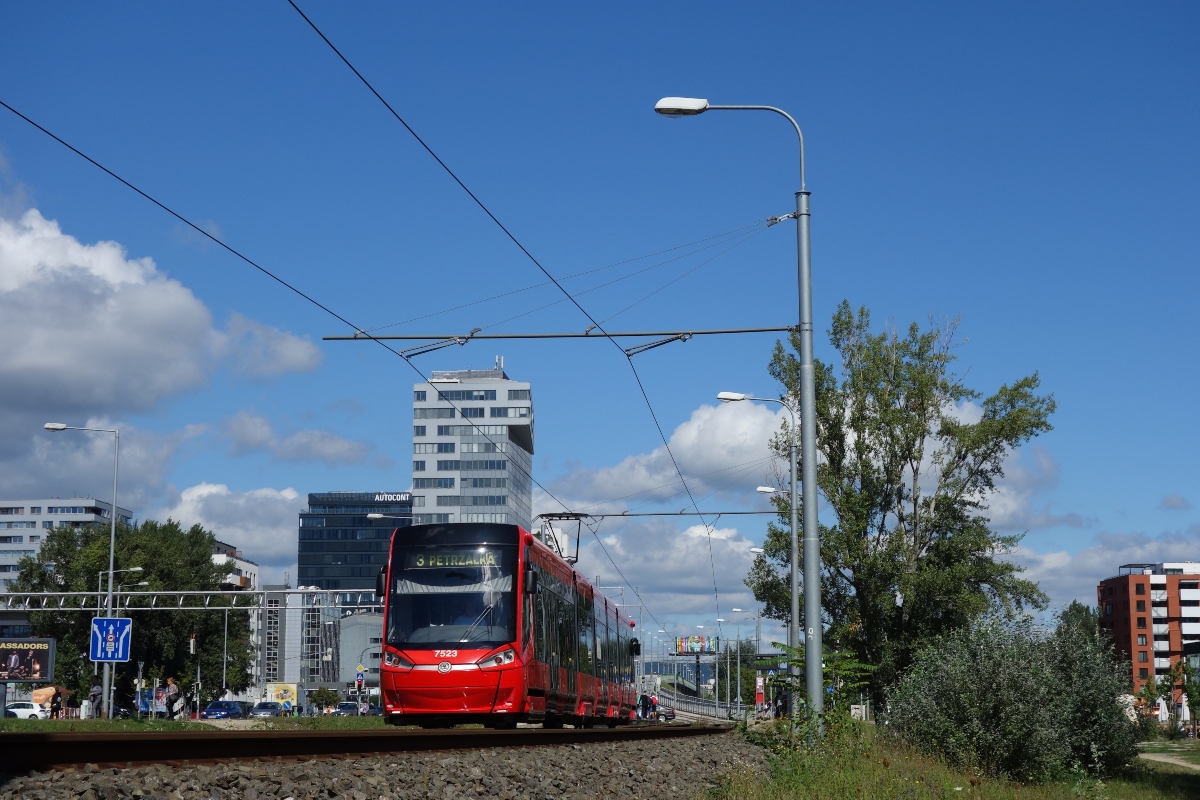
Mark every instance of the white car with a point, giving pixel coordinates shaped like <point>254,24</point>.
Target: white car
<point>28,710</point>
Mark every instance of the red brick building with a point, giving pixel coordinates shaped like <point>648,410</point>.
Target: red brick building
<point>1152,612</point>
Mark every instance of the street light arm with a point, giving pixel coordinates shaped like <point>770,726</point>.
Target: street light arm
<point>796,125</point>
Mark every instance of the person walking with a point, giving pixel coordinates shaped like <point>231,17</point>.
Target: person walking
<point>171,698</point>
<point>94,695</point>
<point>56,704</point>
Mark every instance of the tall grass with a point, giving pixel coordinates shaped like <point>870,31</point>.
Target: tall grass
<point>858,763</point>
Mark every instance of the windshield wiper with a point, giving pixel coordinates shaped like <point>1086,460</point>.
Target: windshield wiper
<point>487,610</point>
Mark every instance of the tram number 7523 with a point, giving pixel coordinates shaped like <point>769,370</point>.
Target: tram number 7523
<point>445,654</point>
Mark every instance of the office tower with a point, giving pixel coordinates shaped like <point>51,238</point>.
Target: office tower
<point>473,448</point>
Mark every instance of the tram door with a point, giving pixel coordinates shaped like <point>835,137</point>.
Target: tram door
<point>548,614</point>
<point>569,640</point>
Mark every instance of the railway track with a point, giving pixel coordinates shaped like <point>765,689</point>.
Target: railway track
<point>21,752</point>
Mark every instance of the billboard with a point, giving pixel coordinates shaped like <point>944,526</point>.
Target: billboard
<point>687,645</point>
<point>26,660</point>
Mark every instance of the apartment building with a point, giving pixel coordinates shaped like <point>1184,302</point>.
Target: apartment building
<point>1152,612</point>
<point>473,448</point>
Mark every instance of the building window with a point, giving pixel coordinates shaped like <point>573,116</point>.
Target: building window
<point>38,510</point>
<point>418,430</point>
<point>1143,673</point>
<point>1141,640</point>
<point>433,483</point>
<point>468,394</point>
<point>1107,609</point>
<point>472,413</point>
<point>448,466</point>
<point>444,447</point>
<point>1182,584</point>
<point>11,511</point>
<point>511,411</point>
<point>433,413</point>
<point>1139,588</point>
<point>48,524</point>
<point>484,447</point>
<point>518,394</point>
<point>468,430</point>
<point>1141,622</point>
<point>488,483</point>
<point>1141,605</point>
<point>1142,657</point>
<point>35,539</point>
<point>419,397</point>
<point>418,501</point>
<point>418,466</point>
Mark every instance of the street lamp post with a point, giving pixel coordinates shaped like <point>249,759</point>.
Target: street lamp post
<point>686,107</point>
<point>112,539</point>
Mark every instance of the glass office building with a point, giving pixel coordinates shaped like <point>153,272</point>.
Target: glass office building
<point>339,547</point>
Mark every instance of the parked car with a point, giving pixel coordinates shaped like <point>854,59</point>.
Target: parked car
<point>9,714</point>
<point>665,714</point>
<point>374,711</point>
<point>346,710</point>
<point>26,710</point>
<point>222,709</point>
<point>267,709</point>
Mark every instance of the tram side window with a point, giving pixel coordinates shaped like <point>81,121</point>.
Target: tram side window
<point>601,648</point>
<point>585,617</point>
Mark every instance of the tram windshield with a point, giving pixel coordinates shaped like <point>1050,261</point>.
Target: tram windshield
<point>448,596</point>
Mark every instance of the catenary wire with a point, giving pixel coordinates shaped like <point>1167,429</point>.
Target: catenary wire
<point>257,266</point>
<point>502,295</point>
<point>483,207</point>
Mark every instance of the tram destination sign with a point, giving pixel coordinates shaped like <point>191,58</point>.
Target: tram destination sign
<point>27,659</point>
<point>441,559</point>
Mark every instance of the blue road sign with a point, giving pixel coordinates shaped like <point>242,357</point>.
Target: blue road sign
<point>359,676</point>
<point>110,638</point>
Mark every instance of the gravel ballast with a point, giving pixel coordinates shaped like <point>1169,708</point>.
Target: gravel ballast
<point>670,768</point>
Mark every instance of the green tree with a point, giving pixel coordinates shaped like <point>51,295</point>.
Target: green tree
<point>171,558</point>
<point>909,457</point>
<point>323,697</point>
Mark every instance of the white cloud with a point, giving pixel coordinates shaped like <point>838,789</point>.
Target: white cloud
<point>721,448</point>
<point>1068,576</point>
<point>260,351</point>
<point>81,463</point>
<point>250,433</point>
<point>1018,504</point>
<point>1174,502</point>
<point>262,523</point>
<point>88,332</point>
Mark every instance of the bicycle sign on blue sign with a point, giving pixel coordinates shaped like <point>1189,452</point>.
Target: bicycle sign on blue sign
<point>110,638</point>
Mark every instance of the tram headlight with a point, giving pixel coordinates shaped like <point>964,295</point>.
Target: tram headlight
<point>506,656</point>
<point>397,661</point>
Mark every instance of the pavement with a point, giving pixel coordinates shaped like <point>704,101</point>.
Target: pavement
<point>1166,759</point>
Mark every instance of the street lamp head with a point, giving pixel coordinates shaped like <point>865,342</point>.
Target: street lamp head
<point>766,490</point>
<point>719,619</point>
<point>374,516</point>
<point>730,397</point>
<point>735,609</point>
<point>55,426</point>
<point>680,106</point>
<point>134,569</point>
<point>757,551</point>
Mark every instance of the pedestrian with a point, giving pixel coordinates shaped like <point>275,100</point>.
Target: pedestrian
<point>94,695</point>
<point>171,698</point>
<point>56,704</point>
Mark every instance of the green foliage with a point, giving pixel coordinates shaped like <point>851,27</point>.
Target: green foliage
<point>324,697</point>
<point>1009,699</point>
<point>171,559</point>
<point>907,468</point>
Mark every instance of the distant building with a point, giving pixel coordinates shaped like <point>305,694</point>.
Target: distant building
<point>244,576</point>
<point>1152,612</point>
<point>282,636</point>
<point>24,525</point>
<point>361,639</point>
<point>339,548</point>
<point>473,448</point>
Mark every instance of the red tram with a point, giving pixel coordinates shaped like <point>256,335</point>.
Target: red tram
<point>484,623</point>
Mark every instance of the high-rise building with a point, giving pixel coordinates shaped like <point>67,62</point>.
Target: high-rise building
<point>473,448</point>
<point>1152,613</point>
<point>339,547</point>
<point>25,523</point>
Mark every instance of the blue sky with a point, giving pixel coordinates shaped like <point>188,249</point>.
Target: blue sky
<point>1030,168</point>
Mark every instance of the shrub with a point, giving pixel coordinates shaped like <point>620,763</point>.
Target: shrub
<point>1011,699</point>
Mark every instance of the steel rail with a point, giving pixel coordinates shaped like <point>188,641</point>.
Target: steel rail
<point>21,752</point>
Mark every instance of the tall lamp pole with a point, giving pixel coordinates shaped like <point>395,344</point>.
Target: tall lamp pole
<point>688,107</point>
<point>112,540</point>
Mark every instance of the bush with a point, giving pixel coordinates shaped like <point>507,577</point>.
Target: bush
<point>1013,700</point>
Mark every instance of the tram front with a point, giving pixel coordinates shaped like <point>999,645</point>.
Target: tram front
<point>451,626</point>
